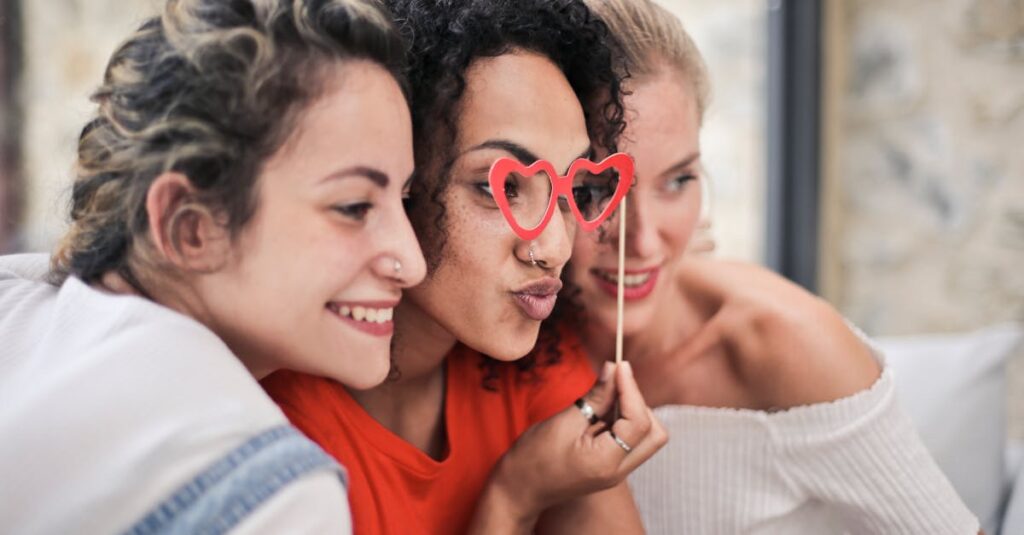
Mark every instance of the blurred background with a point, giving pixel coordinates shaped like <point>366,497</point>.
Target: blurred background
<point>871,150</point>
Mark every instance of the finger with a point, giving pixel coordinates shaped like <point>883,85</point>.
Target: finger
<point>632,406</point>
<point>596,429</point>
<point>602,395</point>
<point>646,448</point>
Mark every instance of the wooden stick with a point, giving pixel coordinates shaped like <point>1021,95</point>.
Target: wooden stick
<point>622,276</point>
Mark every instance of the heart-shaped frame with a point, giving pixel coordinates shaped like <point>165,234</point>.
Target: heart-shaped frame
<point>561,185</point>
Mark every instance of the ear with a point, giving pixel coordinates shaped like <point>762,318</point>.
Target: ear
<point>182,230</point>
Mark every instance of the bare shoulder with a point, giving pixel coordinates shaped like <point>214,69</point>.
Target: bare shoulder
<point>783,346</point>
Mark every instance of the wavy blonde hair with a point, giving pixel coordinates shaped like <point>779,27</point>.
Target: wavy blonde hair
<point>208,89</point>
<point>651,37</point>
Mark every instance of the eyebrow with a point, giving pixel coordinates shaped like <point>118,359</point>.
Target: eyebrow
<point>378,177</point>
<point>679,166</point>
<point>521,153</point>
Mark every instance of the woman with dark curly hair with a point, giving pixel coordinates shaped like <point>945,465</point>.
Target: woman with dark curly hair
<point>238,189</point>
<point>462,437</point>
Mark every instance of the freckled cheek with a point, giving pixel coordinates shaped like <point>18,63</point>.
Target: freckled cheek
<point>481,245</point>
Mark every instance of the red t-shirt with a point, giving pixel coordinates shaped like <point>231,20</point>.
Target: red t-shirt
<point>396,488</point>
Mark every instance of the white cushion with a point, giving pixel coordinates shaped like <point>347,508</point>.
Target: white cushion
<point>954,388</point>
<point>1013,521</point>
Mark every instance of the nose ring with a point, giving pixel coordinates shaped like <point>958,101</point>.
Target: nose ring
<point>533,259</point>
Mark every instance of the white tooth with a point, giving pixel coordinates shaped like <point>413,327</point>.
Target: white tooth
<point>385,314</point>
<point>358,313</point>
<point>371,315</point>
<point>379,316</point>
<point>345,311</point>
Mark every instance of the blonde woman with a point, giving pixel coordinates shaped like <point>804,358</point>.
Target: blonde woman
<point>782,419</point>
<point>237,209</point>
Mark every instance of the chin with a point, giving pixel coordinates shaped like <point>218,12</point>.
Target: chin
<point>366,378</point>
<point>509,348</point>
<point>361,366</point>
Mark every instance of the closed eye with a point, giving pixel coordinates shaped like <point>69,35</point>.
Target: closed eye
<point>355,211</point>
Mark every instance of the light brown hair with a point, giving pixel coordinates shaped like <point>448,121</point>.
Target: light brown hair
<point>650,38</point>
<point>208,89</point>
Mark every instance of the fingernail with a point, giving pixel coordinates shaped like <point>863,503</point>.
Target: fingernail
<point>627,368</point>
<point>608,371</point>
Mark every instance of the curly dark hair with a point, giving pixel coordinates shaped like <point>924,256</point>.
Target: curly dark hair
<point>444,39</point>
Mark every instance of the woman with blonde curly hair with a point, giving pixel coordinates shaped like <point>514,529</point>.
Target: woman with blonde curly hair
<point>237,210</point>
<point>782,418</point>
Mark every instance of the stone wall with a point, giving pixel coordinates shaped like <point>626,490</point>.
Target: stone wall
<point>67,44</point>
<point>929,168</point>
<point>732,36</point>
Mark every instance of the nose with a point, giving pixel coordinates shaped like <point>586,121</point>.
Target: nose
<point>400,259</point>
<point>641,232</point>
<point>553,248</point>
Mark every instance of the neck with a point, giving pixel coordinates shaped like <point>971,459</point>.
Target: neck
<point>180,296</point>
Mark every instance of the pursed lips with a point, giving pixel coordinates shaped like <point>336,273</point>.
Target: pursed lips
<point>537,299</point>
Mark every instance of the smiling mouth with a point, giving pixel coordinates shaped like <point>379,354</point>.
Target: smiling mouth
<point>377,321</point>
<point>629,280</point>
<point>636,285</point>
<point>367,314</point>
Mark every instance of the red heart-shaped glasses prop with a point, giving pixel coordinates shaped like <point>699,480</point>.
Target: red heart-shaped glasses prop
<point>561,186</point>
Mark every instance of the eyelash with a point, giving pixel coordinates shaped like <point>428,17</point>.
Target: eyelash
<point>484,188</point>
<point>355,211</point>
<point>677,183</point>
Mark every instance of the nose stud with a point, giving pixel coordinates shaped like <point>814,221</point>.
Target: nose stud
<point>398,267</point>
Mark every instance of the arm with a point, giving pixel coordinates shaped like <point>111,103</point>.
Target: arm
<point>312,505</point>
<point>607,511</point>
<point>499,512</point>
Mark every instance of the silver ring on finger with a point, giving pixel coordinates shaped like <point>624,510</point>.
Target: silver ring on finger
<point>622,443</point>
<point>587,410</point>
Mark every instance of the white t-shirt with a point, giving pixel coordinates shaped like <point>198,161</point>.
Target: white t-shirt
<point>109,404</point>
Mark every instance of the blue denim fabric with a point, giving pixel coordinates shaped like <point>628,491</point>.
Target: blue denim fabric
<point>224,494</point>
